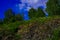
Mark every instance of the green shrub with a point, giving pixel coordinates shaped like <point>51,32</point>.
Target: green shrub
<point>56,34</point>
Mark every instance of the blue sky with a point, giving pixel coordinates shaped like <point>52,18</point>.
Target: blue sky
<point>6,4</point>
<point>19,5</point>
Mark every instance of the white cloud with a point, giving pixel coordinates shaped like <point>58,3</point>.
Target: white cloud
<point>32,3</point>
<point>28,4</point>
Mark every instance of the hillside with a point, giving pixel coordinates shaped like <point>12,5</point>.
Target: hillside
<point>43,28</point>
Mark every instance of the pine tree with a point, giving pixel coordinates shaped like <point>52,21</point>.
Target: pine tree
<point>53,7</point>
<point>9,16</point>
<point>18,17</point>
<point>33,13</point>
<point>40,13</point>
<point>1,21</point>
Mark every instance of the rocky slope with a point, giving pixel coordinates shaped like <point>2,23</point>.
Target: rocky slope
<point>34,29</point>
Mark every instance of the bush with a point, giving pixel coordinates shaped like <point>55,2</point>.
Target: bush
<point>56,34</point>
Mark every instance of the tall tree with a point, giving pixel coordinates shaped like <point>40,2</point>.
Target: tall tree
<point>9,16</point>
<point>40,13</point>
<point>36,13</point>
<point>1,21</point>
<point>32,13</point>
<point>53,7</point>
<point>18,17</point>
<point>9,13</point>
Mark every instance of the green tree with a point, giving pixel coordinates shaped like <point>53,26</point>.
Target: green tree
<point>53,7</point>
<point>32,13</point>
<point>18,17</point>
<point>9,13</point>
<point>40,13</point>
<point>9,16</point>
<point>1,21</point>
<point>36,13</point>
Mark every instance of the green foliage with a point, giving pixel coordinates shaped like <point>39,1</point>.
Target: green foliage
<point>9,13</point>
<point>40,13</point>
<point>8,35</point>
<point>18,17</point>
<point>18,29</point>
<point>17,37</point>
<point>16,25</point>
<point>10,16</point>
<point>1,21</point>
<point>56,34</point>
<point>53,7</point>
<point>36,13</point>
<point>32,13</point>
